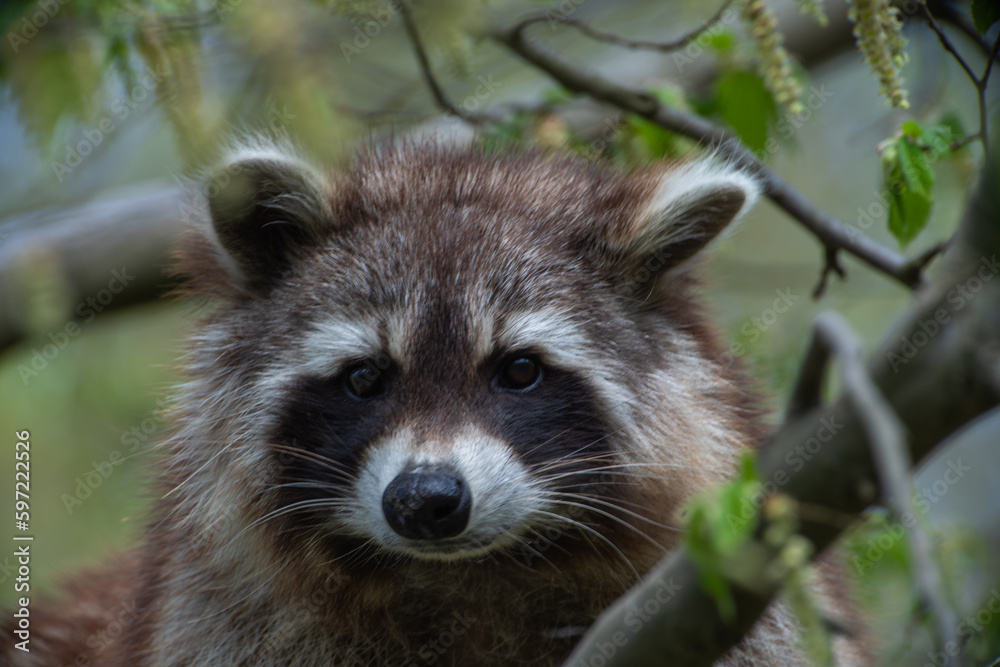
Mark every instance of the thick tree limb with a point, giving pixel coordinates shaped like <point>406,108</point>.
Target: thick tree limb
<point>78,248</point>
<point>830,231</point>
<point>822,455</point>
<point>887,436</point>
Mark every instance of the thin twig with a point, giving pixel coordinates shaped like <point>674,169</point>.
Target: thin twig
<point>425,68</point>
<point>948,12</point>
<point>964,141</point>
<point>917,265</point>
<point>807,394</point>
<point>983,82</point>
<point>887,439</point>
<point>831,232</point>
<point>980,82</point>
<point>831,264</point>
<point>946,43</point>
<point>612,38</point>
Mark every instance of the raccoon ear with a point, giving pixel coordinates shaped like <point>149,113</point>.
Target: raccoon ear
<point>266,207</point>
<point>689,208</point>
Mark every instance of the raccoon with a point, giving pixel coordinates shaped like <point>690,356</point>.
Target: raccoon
<point>443,410</point>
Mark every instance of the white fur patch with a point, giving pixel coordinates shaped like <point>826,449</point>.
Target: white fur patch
<point>323,351</point>
<point>334,340</point>
<point>669,215</point>
<point>551,331</point>
<point>563,342</point>
<point>503,493</point>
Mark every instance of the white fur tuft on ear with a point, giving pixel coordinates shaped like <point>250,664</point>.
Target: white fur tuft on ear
<point>266,203</point>
<point>693,203</point>
<point>690,206</point>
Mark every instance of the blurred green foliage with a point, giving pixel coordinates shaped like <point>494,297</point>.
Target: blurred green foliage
<point>79,410</point>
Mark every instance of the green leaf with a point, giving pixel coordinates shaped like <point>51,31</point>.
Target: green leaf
<point>658,141</point>
<point>984,14</point>
<point>912,129</point>
<point>937,140</point>
<point>954,125</point>
<point>909,179</point>
<point>721,42</point>
<point>718,524</point>
<point>747,106</point>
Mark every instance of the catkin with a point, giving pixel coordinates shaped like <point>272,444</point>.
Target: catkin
<point>814,8</point>
<point>878,31</point>
<point>775,63</point>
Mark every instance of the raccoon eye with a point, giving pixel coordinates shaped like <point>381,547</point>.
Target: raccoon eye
<point>364,381</point>
<point>520,374</point>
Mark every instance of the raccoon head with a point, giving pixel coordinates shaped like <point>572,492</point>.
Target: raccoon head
<point>442,352</point>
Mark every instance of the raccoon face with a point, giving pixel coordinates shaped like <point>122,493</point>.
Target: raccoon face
<point>441,353</point>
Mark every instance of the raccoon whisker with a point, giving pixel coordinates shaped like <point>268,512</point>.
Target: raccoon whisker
<point>542,537</point>
<point>613,518</point>
<point>680,466</point>
<point>324,461</point>
<point>148,450</point>
<point>368,544</point>
<point>607,503</point>
<point>592,531</point>
<point>584,494</point>
<point>187,479</point>
<point>659,464</point>
<point>589,472</point>
<point>526,544</point>
<point>626,479</point>
<point>586,487</point>
<point>647,464</point>
<point>277,571</point>
<point>583,479</point>
<point>288,509</point>
<point>322,486</point>
<point>574,453</point>
<point>490,554</point>
<point>563,461</point>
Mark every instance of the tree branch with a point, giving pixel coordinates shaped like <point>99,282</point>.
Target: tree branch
<point>425,68</point>
<point>75,250</point>
<point>831,264</point>
<point>830,231</point>
<point>947,11</point>
<point>888,438</point>
<point>612,38</point>
<point>948,383</point>
<point>980,82</point>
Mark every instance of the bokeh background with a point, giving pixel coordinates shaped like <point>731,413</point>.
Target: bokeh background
<point>176,78</point>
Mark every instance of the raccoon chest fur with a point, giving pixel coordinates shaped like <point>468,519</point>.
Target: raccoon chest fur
<point>442,409</point>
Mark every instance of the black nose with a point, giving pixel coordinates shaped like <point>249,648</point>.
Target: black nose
<point>427,503</point>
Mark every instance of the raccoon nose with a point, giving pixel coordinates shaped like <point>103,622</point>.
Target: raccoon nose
<point>427,503</point>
